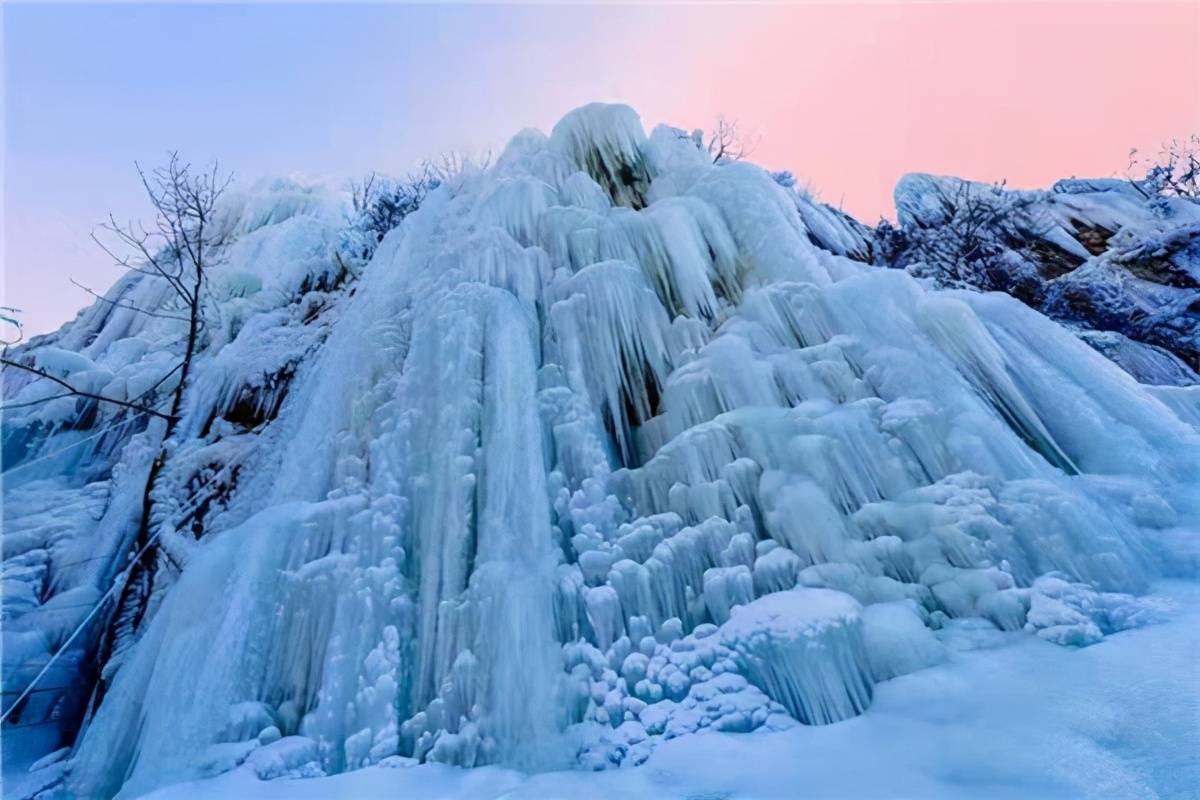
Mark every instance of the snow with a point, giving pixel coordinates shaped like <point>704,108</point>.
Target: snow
<point>606,140</point>
<point>1115,720</point>
<point>606,454</point>
<point>1112,259</point>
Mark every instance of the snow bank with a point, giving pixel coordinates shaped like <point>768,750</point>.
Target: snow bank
<point>1022,719</point>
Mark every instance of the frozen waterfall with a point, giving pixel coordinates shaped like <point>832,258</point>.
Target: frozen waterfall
<point>601,448</point>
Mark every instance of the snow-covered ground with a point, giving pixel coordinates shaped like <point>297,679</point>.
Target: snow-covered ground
<point>1007,716</point>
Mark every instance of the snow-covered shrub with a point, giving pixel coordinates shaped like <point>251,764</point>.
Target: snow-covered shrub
<point>379,204</point>
<point>1174,172</point>
<point>965,234</point>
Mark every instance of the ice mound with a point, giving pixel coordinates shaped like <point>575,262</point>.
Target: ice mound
<point>604,445</point>
<point>607,142</point>
<point>804,648</point>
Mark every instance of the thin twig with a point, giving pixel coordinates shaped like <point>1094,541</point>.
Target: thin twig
<point>41,373</point>
<point>104,299</point>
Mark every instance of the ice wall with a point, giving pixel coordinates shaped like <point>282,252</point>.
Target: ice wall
<point>603,449</point>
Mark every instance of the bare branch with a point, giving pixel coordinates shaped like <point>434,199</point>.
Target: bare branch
<point>71,390</point>
<point>114,303</point>
<point>11,406</point>
<point>8,317</point>
<point>726,142</point>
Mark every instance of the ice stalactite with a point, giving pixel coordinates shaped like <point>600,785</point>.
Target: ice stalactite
<point>612,336</point>
<point>804,648</point>
<point>607,141</point>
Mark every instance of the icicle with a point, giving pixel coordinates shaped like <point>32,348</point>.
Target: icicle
<point>612,334</point>
<point>805,649</point>
<point>606,141</point>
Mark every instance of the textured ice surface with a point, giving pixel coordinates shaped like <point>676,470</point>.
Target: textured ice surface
<point>1017,718</point>
<point>606,446</point>
<point>804,648</point>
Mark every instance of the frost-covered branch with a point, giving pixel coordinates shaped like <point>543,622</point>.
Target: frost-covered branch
<point>1173,172</point>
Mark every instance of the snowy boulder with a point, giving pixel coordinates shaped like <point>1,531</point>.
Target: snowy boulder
<point>289,757</point>
<point>804,648</point>
<point>1074,615</point>
<point>1057,622</point>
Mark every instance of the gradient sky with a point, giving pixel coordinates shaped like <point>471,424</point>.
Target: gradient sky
<point>849,96</point>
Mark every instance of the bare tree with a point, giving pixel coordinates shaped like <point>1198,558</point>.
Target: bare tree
<point>726,142</point>
<point>180,248</point>
<point>1173,172</point>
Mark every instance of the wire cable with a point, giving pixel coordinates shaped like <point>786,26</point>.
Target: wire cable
<point>61,450</point>
<point>118,583</point>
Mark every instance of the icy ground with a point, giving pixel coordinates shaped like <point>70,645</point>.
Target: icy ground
<point>1008,716</point>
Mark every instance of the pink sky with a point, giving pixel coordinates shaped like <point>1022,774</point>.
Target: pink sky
<point>849,97</point>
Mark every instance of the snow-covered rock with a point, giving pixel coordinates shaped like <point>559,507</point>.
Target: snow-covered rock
<point>1109,258</point>
<point>804,648</point>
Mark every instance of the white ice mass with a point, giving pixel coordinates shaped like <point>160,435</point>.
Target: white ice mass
<point>605,445</point>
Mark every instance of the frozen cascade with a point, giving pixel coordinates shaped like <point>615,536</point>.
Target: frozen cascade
<point>329,582</point>
<point>599,448</point>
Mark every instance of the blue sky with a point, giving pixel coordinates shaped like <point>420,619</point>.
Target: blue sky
<point>330,91</point>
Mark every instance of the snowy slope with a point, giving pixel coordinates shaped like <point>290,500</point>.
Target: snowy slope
<point>1113,721</point>
<point>605,446</point>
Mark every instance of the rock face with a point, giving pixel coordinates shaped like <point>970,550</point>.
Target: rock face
<point>1115,262</point>
<point>603,445</point>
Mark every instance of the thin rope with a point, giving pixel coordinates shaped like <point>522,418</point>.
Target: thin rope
<point>61,450</point>
<point>118,583</point>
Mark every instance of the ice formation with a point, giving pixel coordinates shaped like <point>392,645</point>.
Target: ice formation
<point>605,444</point>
